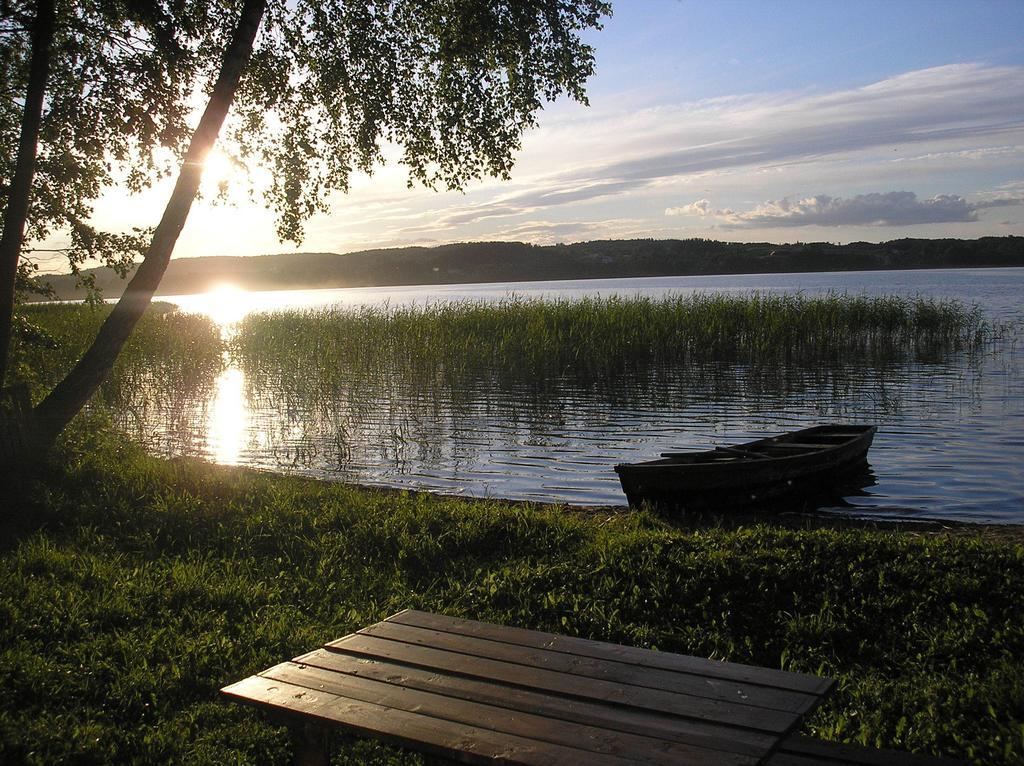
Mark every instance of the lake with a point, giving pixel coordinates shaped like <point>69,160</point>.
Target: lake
<point>951,432</point>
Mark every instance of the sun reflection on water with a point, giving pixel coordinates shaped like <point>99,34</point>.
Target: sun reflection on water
<point>228,418</point>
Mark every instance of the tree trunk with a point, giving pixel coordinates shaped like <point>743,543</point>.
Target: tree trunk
<point>24,169</point>
<point>71,394</point>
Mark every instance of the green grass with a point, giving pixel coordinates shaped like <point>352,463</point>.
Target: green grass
<point>131,589</point>
<point>596,335</point>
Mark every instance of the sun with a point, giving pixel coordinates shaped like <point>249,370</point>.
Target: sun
<point>223,170</point>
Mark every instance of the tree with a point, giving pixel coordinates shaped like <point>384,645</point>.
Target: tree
<point>114,83</point>
<point>317,89</point>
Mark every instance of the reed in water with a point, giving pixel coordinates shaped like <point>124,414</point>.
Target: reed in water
<point>599,335</point>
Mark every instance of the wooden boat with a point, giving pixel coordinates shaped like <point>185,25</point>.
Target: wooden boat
<point>764,472</point>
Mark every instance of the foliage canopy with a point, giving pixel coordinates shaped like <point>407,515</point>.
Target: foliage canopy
<point>328,89</point>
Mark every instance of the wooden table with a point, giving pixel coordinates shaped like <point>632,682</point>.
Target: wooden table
<point>474,692</point>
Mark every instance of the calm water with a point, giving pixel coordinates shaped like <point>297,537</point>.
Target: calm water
<point>950,444</point>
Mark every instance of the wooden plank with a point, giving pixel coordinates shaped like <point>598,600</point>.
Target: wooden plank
<point>500,719</point>
<point>586,647</point>
<point>612,717</point>
<point>615,671</point>
<point>701,708</point>
<point>459,742</point>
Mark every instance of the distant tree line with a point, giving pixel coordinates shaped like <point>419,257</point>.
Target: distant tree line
<point>516,261</point>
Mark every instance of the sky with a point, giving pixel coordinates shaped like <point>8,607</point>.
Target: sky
<point>739,120</point>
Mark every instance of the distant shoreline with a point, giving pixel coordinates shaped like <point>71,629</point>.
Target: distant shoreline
<point>486,262</point>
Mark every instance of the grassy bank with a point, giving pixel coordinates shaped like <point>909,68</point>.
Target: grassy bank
<point>131,589</point>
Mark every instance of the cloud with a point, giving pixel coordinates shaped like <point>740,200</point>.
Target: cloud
<point>534,231</point>
<point>939,104</point>
<point>540,232</point>
<point>701,207</point>
<point>543,232</point>
<point>997,153</point>
<point>923,130</point>
<point>897,208</point>
<point>535,199</point>
<point>926,108</point>
<point>999,202</point>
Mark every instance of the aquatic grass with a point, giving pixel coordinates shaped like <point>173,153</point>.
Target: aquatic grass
<point>342,363</point>
<point>131,589</point>
<point>170,361</point>
<point>590,336</point>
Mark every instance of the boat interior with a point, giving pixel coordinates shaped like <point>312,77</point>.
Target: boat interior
<point>796,443</point>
